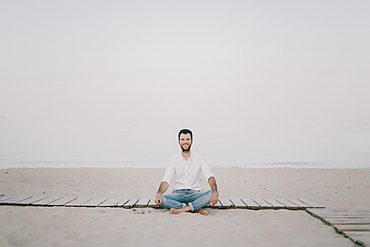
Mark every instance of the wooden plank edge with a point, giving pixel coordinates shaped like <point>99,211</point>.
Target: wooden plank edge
<point>6,199</point>
<point>95,204</point>
<point>64,200</point>
<point>29,201</point>
<point>226,203</point>
<point>122,202</point>
<point>289,205</point>
<point>16,199</point>
<point>311,203</point>
<point>218,205</point>
<point>79,204</point>
<point>357,228</point>
<point>345,215</point>
<point>130,203</point>
<point>350,222</point>
<point>46,203</point>
<point>343,210</point>
<point>142,203</point>
<point>356,233</point>
<point>262,203</point>
<point>238,203</point>
<point>253,206</point>
<point>275,204</point>
<point>152,204</point>
<point>112,202</point>
<point>299,203</point>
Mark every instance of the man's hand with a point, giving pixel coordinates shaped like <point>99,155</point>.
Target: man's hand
<point>162,188</point>
<point>214,198</point>
<point>158,199</point>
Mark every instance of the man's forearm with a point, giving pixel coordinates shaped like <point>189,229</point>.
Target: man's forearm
<point>162,188</point>
<point>212,183</point>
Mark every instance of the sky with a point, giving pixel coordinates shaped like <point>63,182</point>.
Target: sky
<point>171,59</point>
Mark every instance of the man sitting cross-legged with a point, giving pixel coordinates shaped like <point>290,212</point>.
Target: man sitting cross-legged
<point>183,172</point>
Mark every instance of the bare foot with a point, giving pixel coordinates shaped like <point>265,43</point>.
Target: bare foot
<point>174,211</point>
<point>202,212</point>
<point>181,210</point>
<point>187,208</point>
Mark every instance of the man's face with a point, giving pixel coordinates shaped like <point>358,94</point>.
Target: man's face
<point>185,142</point>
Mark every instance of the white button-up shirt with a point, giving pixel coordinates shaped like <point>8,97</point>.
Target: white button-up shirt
<point>182,174</point>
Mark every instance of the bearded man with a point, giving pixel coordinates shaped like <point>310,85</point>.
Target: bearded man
<point>183,173</point>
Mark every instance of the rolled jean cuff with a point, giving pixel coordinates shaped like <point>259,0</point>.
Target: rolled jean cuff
<point>191,206</point>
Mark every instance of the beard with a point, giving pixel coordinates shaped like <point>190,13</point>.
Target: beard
<point>185,150</point>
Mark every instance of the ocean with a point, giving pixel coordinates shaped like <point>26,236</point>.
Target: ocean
<point>151,142</point>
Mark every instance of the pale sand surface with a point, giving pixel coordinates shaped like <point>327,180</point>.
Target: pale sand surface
<point>61,226</point>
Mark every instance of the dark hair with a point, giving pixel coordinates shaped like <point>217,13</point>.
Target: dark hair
<point>185,131</point>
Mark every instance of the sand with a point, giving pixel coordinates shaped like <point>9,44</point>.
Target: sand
<point>61,226</point>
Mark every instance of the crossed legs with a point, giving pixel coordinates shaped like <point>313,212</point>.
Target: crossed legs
<point>186,200</point>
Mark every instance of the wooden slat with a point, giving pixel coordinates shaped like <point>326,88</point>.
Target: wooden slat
<point>62,201</point>
<point>15,199</point>
<point>7,198</point>
<point>226,203</point>
<point>356,233</point>
<point>94,202</point>
<point>31,200</point>
<point>342,210</point>
<point>263,204</point>
<point>341,228</point>
<point>238,203</point>
<point>152,203</point>
<point>275,204</point>
<point>311,203</point>
<point>19,199</point>
<point>299,203</point>
<point>251,204</point>
<point>131,203</point>
<point>78,202</point>
<point>288,204</point>
<point>123,202</point>
<point>365,221</point>
<point>46,201</point>
<point>343,214</point>
<point>110,203</point>
<point>142,203</point>
<point>345,217</point>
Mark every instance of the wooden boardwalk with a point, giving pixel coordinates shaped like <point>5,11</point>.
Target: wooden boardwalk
<point>223,203</point>
<point>352,223</point>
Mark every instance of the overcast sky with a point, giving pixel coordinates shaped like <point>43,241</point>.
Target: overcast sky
<point>177,58</point>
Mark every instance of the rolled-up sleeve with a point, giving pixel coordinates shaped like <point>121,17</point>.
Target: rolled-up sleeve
<point>168,174</point>
<point>206,170</point>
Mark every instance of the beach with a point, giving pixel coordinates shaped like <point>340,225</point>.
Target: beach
<point>62,226</point>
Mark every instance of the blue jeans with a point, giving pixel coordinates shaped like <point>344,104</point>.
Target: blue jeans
<point>180,198</point>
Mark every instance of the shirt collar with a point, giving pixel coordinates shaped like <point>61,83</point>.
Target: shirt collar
<point>182,157</point>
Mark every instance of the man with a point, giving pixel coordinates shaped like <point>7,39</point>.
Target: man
<point>183,173</point>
